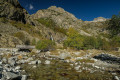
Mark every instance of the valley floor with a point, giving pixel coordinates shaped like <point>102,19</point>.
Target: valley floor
<point>61,64</point>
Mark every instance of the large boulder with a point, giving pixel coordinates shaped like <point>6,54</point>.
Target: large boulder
<point>12,76</point>
<point>108,58</point>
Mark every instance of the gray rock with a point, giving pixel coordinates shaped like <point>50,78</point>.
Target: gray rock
<point>64,55</point>
<point>77,67</point>
<point>108,58</point>
<point>0,62</point>
<point>77,53</point>
<point>21,62</point>
<point>24,77</point>
<point>4,60</point>
<point>10,75</point>
<point>117,78</point>
<point>12,61</point>
<point>38,61</point>
<point>17,68</point>
<point>33,62</point>
<point>47,62</point>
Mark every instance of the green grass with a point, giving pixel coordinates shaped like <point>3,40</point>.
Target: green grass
<point>86,61</point>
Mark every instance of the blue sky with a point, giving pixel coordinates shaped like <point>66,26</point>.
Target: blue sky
<point>86,10</point>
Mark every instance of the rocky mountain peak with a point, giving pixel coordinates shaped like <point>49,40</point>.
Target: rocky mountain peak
<point>99,19</point>
<point>58,9</point>
<point>58,15</point>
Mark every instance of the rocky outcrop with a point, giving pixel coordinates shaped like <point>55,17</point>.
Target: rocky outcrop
<point>11,9</point>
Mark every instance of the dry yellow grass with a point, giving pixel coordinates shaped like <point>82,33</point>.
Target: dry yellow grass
<point>20,56</point>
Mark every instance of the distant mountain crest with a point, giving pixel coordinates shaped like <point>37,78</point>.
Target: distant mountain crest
<point>99,19</point>
<point>58,9</point>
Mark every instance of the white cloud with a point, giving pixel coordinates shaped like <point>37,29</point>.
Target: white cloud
<point>31,7</point>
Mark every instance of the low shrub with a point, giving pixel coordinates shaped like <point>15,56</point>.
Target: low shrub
<point>90,42</point>
<point>45,45</point>
<point>74,40</point>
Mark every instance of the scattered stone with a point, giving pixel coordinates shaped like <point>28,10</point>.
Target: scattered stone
<point>97,67</point>
<point>77,53</point>
<point>12,61</point>
<point>34,66</point>
<point>33,62</point>
<point>47,62</point>
<point>78,58</point>
<point>117,78</point>
<point>38,62</point>
<point>64,55</point>
<point>17,68</point>
<point>77,68</point>
<point>24,77</point>
<point>10,75</point>
<point>0,62</point>
<point>4,60</point>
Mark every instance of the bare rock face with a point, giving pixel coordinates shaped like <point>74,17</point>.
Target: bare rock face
<point>11,9</point>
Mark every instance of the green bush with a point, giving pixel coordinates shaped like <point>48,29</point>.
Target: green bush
<point>90,42</point>
<point>45,45</point>
<point>74,40</point>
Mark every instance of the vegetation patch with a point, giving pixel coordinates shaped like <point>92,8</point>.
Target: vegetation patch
<point>86,61</point>
<point>77,41</point>
<point>45,45</point>
<point>52,25</point>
